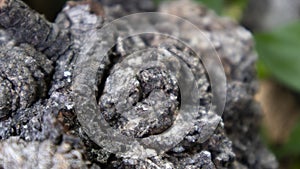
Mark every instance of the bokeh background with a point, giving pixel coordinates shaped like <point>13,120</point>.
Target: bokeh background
<point>275,25</point>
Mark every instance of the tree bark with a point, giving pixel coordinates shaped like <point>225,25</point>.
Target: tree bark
<point>47,76</point>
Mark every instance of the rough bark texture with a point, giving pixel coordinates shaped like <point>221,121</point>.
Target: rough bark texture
<point>40,60</point>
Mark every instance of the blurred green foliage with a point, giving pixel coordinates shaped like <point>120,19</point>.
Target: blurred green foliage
<point>279,51</point>
<point>216,5</point>
<point>232,8</point>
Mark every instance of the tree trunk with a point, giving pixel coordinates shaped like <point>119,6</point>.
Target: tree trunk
<point>60,81</point>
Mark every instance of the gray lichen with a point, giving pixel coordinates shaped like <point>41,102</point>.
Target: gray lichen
<point>39,67</point>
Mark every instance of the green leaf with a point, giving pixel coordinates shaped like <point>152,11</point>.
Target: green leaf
<point>216,5</point>
<point>279,50</point>
<point>234,8</point>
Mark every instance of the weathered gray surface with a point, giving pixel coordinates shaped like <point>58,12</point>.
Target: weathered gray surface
<point>37,101</point>
<point>20,154</point>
